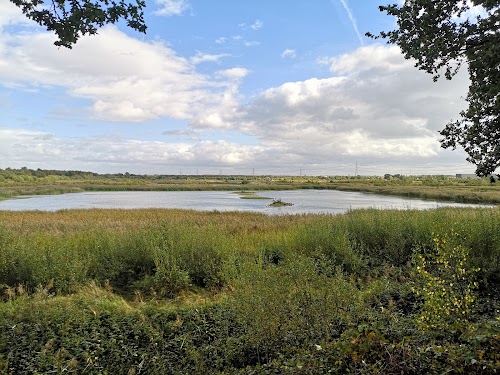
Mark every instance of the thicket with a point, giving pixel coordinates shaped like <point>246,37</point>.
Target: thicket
<point>184,292</point>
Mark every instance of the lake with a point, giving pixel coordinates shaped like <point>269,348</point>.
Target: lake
<point>304,201</point>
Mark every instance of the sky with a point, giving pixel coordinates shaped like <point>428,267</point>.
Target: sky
<point>225,87</point>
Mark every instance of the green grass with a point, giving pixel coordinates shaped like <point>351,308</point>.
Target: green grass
<point>250,195</point>
<point>185,292</point>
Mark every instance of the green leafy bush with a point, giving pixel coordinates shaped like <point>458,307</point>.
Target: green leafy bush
<point>446,282</point>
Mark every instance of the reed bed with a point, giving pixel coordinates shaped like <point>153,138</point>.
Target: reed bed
<point>186,292</point>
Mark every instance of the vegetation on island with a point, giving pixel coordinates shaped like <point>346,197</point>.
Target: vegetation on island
<point>186,292</point>
<point>279,203</point>
<point>250,195</point>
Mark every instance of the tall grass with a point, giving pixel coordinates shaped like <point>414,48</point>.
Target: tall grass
<point>70,248</point>
<point>172,291</point>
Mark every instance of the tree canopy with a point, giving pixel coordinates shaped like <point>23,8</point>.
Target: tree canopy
<point>443,35</point>
<point>70,19</point>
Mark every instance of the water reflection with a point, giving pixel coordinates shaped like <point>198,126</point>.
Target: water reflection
<point>304,201</point>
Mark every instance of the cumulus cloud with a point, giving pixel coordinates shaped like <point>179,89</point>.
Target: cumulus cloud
<point>376,105</point>
<point>289,53</point>
<point>39,149</point>
<point>10,14</point>
<point>234,73</point>
<point>219,116</point>
<point>124,79</point>
<point>375,108</point>
<point>171,7</point>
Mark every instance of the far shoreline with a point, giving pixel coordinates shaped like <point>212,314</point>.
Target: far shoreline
<point>437,188</point>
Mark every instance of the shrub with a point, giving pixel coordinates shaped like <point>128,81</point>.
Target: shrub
<point>446,284</point>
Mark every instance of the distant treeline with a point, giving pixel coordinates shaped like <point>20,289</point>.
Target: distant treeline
<point>8,172</point>
<point>24,171</point>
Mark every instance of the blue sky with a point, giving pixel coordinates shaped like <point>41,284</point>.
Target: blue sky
<point>275,87</point>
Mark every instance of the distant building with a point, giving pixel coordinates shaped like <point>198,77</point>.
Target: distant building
<point>467,175</point>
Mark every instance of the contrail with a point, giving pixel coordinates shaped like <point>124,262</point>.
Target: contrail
<point>353,20</point>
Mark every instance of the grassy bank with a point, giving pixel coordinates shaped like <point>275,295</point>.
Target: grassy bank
<point>184,292</point>
<point>27,182</point>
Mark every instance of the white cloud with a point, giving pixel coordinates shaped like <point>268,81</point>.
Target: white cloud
<point>472,13</point>
<point>130,80</point>
<point>377,107</point>
<point>289,53</point>
<point>374,57</point>
<point>257,25</point>
<point>11,14</point>
<point>325,60</point>
<point>42,150</point>
<point>171,7</point>
<point>252,43</point>
<point>217,116</point>
<point>201,57</point>
<point>234,73</point>
<point>221,40</point>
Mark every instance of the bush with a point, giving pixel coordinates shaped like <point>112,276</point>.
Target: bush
<point>446,283</point>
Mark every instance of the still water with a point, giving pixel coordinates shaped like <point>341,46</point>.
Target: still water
<point>304,201</point>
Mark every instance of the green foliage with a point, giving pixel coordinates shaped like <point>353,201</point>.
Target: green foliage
<point>290,305</point>
<point>184,292</point>
<point>389,236</point>
<point>70,19</point>
<point>328,243</point>
<point>446,282</point>
<point>441,37</point>
<point>185,256</point>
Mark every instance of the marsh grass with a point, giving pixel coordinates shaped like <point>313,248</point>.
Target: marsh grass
<point>251,195</point>
<point>124,247</point>
<point>173,291</point>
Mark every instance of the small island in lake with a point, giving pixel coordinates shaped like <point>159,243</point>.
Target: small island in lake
<point>279,203</point>
<point>247,194</point>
